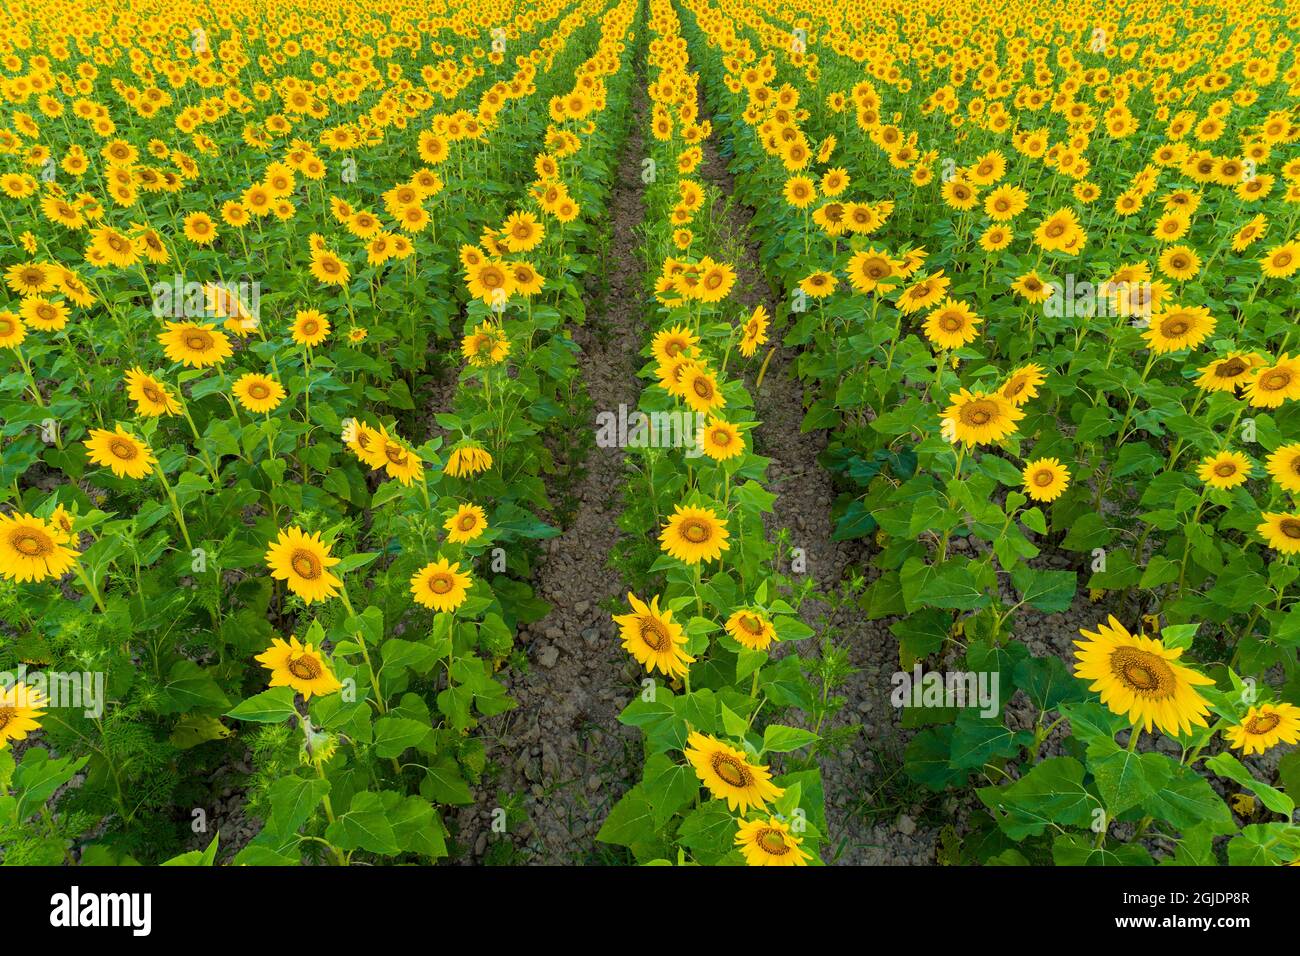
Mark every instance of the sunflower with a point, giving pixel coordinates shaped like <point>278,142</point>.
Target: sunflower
<point>1282,261</point>
<point>951,324</point>
<point>1264,726</point>
<point>1225,374</point>
<point>32,549</point>
<point>1032,288</point>
<point>20,706</point>
<point>44,314</point>
<point>492,282</point>
<point>923,293</point>
<point>30,278</point>
<point>818,285</point>
<point>152,398</point>
<point>754,333</point>
<point>303,561</point>
<point>300,666</point>
<point>751,628</point>
<point>1276,383</point>
<point>525,280</point>
<point>1179,262</point>
<point>1179,327</point>
<point>113,247</point>
<point>699,388</point>
<point>871,269</point>
<point>12,330</point>
<point>1139,677</point>
<point>1022,384</point>
<point>194,345</point>
<point>669,343</point>
<point>310,327</point>
<point>440,585</point>
<point>466,525</point>
<point>1045,479</point>
<point>770,843</point>
<point>399,461</point>
<point>800,192</point>
<point>653,638</point>
<point>720,440</point>
<point>468,459</point>
<point>364,442</point>
<point>1281,531</point>
<point>1284,467</point>
<point>1227,469</point>
<point>694,535</point>
<point>979,418</point>
<point>200,229</point>
<point>486,346</point>
<point>716,280</point>
<point>258,393</point>
<point>728,774</point>
<point>329,269</point>
<point>119,450</point>
<point>996,238</point>
<point>521,232</point>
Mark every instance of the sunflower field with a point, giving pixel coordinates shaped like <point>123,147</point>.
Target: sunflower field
<point>656,432</point>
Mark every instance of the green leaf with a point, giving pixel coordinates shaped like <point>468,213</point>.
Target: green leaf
<point>780,739</point>
<point>1226,765</point>
<point>393,735</point>
<point>269,707</point>
<point>365,826</point>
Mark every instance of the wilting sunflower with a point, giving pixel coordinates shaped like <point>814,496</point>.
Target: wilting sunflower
<point>1227,469</point>
<point>1264,726</point>
<point>1275,384</point>
<point>32,549</point>
<point>694,535</point>
<point>310,327</point>
<point>770,843</point>
<point>1139,677</point>
<point>1284,467</point>
<point>119,450</point>
<point>979,418</point>
<point>653,638</point>
<point>194,345</point>
<point>400,462</point>
<point>720,440</point>
<point>258,393</point>
<point>670,343</point>
<point>1225,374</point>
<point>151,396</point>
<point>951,324</point>
<point>755,332</point>
<point>1281,531</point>
<point>1179,327</point>
<point>728,774</point>
<point>303,561</point>
<point>466,460</point>
<point>751,628</point>
<point>466,525</point>
<point>300,666</point>
<point>20,706</point>
<point>440,585</point>
<point>1045,479</point>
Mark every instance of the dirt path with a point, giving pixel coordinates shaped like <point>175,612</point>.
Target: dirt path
<point>564,755</point>
<point>871,809</point>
